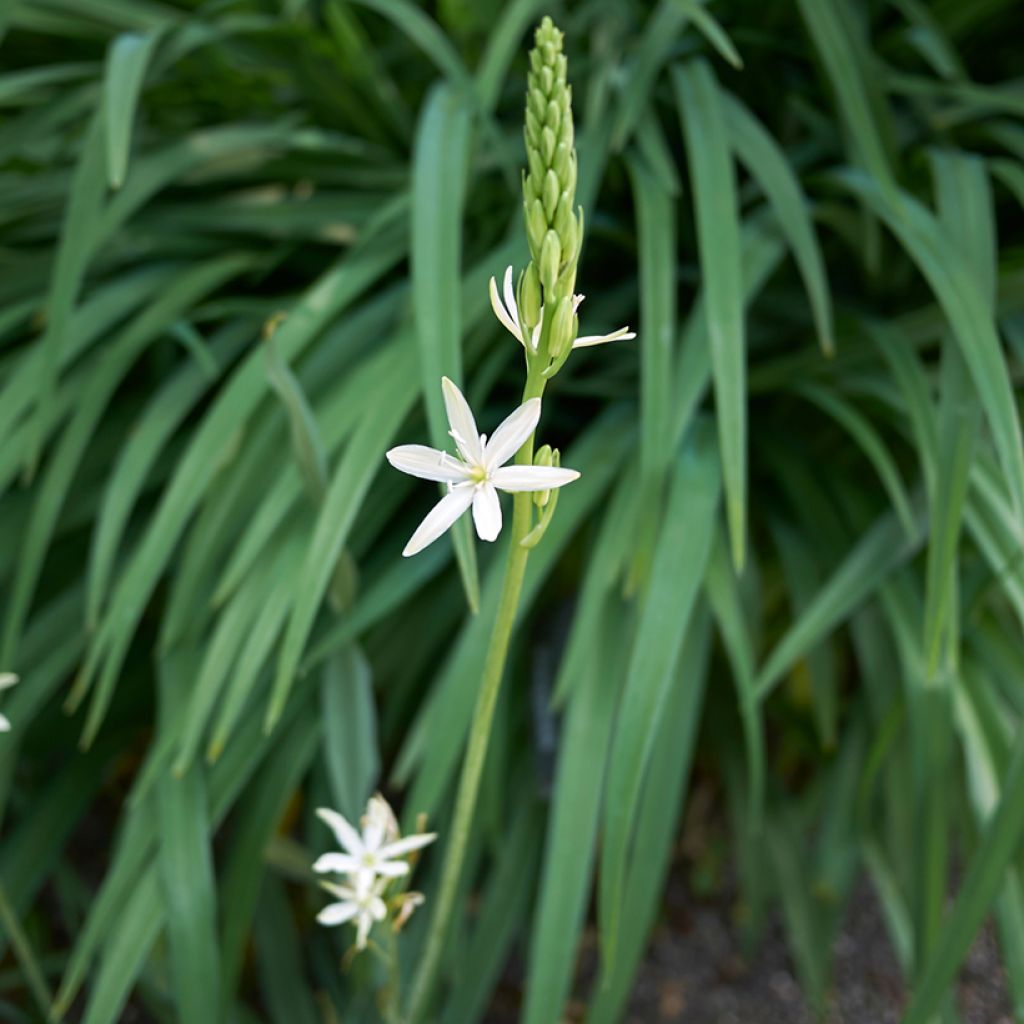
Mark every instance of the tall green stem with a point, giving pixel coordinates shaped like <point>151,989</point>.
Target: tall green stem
<point>479,732</point>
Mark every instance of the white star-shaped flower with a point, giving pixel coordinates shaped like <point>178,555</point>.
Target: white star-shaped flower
<point>475,477</point>
<point>7,680</point>
<point>362,905</point>
<point>508,313</point>
<point>373,854</point>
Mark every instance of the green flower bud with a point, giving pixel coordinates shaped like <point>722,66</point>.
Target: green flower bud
<point>529,296</point>
<point>550,260</point>
<point>533,129</point>
<point>537,102</point>
<point>542,457</point>
<point>563,214</point>
<point>561,337</point>
<point>550,194</point>
<point>536,225</point>
<point>570,237</point>
<point>570,184</point>
<point>547,145</point>
<point>561,162</point>
<point>553,115</point>
<point>538,168</point>
<point>545,456</point>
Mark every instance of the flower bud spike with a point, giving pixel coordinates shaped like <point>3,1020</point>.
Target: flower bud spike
<point>552,165</point>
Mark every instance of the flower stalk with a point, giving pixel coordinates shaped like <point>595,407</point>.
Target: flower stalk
<point>541,314</point>
<point>479,730</point>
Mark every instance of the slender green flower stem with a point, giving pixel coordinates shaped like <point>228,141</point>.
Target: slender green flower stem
<point>394,1003</point>
<point>479,732</point>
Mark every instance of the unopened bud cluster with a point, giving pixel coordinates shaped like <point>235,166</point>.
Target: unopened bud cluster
<point>554,228</point>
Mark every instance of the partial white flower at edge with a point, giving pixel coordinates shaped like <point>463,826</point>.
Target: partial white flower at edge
<point>374,853</point>
<point>476,476</point>
<point>508,313</point>
<point>7,680</point>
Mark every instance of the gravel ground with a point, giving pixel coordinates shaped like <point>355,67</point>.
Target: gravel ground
<point>695,973</point>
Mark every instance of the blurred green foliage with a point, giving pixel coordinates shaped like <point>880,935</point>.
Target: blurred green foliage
<point>240,240</point>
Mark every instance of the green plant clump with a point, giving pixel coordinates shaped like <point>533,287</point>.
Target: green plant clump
<point>241,241</point>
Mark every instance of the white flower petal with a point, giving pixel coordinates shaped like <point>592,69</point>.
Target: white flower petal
<point>509,437</point>
<point>532,478</point>
<point>535,337</point>
<point>487,512</point>
<point>427,463</point>
<point>345,833</point>
<point>363,926</point>
<point>7,679</point>
<point>408,844</point>
<point>5,725</point>
<point>510,296</point>
<point>378,908</point>
<point>343,892</point>
<point>392,868</point>
<point>379,823</point>
<point>587,340</point>
<point>440,517</point>
<point>460,419</point>
<point>337,863</point>
<point>337,913</point>
<point>508,321</point>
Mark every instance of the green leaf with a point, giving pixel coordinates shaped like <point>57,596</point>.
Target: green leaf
<point>881,549</point>
<point>768,165</point>
<point>708,26</point>
<point>713,180</point>
<point>998,845</point>
<point>841,51</point>
<point>288,993</point>
<point>96,393</point>
<point>573,820</point>
<point>659,37</point>
<point>197,466</point>
<point>190,895</point>
<point>965,208</point>
<point>363,457</point>
<point>350,731</point>
<point>657,825</point>
<point>440,167</point>
<point>681,555</point>
<point>724,598</point>
<point>962,300</point>
<point>870,443</point>
<point>127,59</point>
